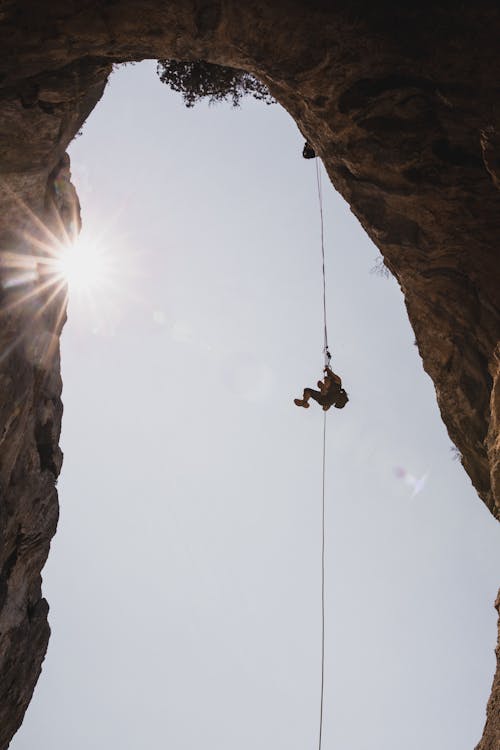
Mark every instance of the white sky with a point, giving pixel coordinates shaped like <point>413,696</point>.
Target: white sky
<point>184,581</point>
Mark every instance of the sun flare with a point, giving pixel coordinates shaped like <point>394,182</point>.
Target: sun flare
<point>83,265</point>
<point>51,267</point>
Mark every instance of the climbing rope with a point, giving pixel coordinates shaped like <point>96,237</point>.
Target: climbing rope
<point>322,588</point>
<point>327,357</point>
<point>326,351</point>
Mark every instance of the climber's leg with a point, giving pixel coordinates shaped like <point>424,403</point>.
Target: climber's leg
<point>302,401</point>
<point>315,395</point>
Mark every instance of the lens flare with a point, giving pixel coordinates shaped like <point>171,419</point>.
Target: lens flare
<point>83,265</point>
<point>416,484</point>
<point>48,265</point>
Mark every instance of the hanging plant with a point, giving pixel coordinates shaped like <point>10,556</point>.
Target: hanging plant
<point>197,79</point>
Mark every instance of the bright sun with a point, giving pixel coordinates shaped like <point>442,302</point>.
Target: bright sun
<point>89,270</point>
<point>83,265</point>
<point>92,274</point>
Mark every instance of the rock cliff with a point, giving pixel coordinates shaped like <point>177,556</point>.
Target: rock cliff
<point>401,103</point>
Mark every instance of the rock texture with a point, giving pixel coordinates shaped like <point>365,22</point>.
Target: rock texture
<point>491,736</point>
<point>402,105</point>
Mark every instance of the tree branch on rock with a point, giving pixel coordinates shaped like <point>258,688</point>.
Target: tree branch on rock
<point>198,79</point>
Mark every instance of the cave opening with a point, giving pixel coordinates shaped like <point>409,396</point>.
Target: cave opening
<point>184,577</point>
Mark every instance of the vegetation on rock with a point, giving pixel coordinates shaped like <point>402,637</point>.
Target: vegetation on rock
<point>197,79</point>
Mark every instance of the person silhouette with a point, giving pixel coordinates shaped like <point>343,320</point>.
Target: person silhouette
<point>330,393</point>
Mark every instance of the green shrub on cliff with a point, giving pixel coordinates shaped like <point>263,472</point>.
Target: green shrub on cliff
<point>198,79</point>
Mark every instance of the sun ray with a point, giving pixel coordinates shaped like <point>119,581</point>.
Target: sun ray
<point>60,268</point>
<point>36,292</point>
<point>36,220</point>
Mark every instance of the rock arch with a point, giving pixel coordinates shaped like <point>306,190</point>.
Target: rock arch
<point>402,106</point>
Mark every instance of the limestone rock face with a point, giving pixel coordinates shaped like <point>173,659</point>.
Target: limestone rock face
<point>401,103</point>
<point>491,736</point>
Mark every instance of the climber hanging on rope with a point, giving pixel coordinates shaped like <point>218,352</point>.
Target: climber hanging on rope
<point>330,393</point>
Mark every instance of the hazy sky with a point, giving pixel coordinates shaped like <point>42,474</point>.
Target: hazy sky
<point>184,580</point>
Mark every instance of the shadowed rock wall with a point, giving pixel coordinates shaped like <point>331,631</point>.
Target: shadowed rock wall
<point>402,106</point>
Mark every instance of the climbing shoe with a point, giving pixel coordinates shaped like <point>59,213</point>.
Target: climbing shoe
<point>301,402</point>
